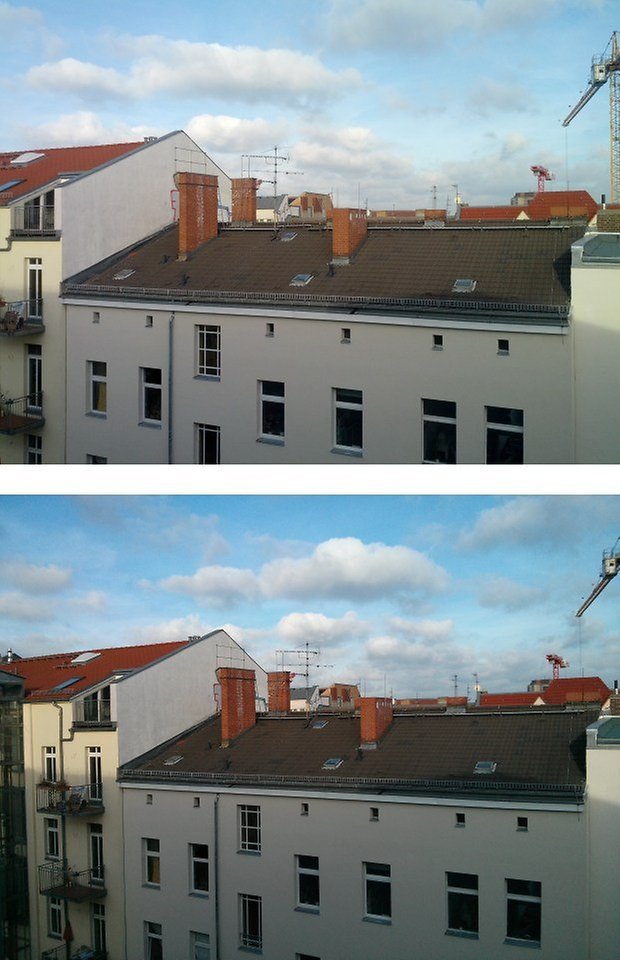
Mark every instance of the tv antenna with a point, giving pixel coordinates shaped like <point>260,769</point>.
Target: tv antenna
<point>275,160</point>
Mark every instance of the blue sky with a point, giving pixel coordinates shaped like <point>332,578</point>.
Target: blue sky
<point>399,593</point>
<point>376,100</point>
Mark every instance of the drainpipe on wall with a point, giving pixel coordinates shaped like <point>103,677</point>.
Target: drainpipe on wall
<point>170,359</point>
<point>63,820</point>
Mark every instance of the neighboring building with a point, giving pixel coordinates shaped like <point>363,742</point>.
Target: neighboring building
<point>345,345</point>
<point>310,207</point>
<point>272,209</point>
<point>84,714</point>
<point>14,919</point>
<point>306,698</point>
<point>340,696</point>
<point>376,835</point>
<point>547,206</point>
<point>62,210</point>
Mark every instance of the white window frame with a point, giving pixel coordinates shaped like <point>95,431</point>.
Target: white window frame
<point>98,927</point>
<point>95,773</point>
<point>52,838</point>
<point>150,386</point>
<point>34,361</point>
<point>305,869</point>
<point>516,429</point>
<point>372,875</point>
<point>201,432</point>
<point>438,418</point>
<point>34,268</point>
<point>50,765</point>
<point>95,848</point>
<point>264,398</point>
<point>97,382</point>
<point>248,937</point>
<point>196,859</point>
<point>54,917</point>
<point>208,359</point>
<point>341,403</point>
<point>456,887</point>
<point>250,833</point>
<point>523,898</point>
<point>153,936</point>
<point>34,448</point>
<point>151,862</point>
<point>199,945</point>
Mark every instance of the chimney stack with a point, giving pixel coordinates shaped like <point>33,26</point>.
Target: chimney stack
<point>197,210</point>
<point>244,199</point>
<point>376,715</point>
<point>279,691</point>
<point>349,230</point>
<point>238,702</point>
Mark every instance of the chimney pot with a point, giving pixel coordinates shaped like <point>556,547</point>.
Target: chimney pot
<point>238,702</point>
<point>197,210</point>
<point>376,715</point>
<point>349,230</point>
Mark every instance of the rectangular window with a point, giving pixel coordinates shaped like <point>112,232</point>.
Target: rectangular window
<point>199,946</point>
<point>52,838</point>
<point>95,774</point>
<point>96,316</point>
<point>270,329</point>
<point>522,823</point>
<point>348,419</point>
<point>153,949</point>
<point>98,928</point>
<point>54,917</point>
<point>34,448</point>
<point>460,820</point>
<point>35,376</point>
<point>95,831</point>
<point>308,881</point>
<point>504,435</point>
<point>198,868</point>
<point>249,828</point>
<point>35,288</point>
<point>503,346</point>
<point>97,386</point>
<point>150,388</point>
<point>462,902</point>
<point>305,809</point>
<point>378,884</point>
<point>250,921</point>
<point>271,415</point>
<point>49,764</point>
<point>437,341</point>
<point>374,813</point>
<point>523,910</point>
<point>149,320</point>
<point>206,443</point>
<point>439,424</point>
<point>345,335</point>
<point>151,861</point>
<point>208,350</point>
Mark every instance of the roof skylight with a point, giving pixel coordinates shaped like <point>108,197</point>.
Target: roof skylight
<point>464,286</point>
<point>9,184</point>
<point>170,761</point>
<point>288,236</point>
<point>485,766</point>
<point>301,279</point>
<point>67,683</point>
<point>123,274</point>
<point>86,657</point>
<point>318,724</point>
<point>332,763</point>
<point>25,158</point>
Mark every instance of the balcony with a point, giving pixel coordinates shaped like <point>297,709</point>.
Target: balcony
<point>92,712</point>
<point>81,953</point>
<point>78,886</point>
<point>85,800</point>
<point>33,220</point>
<point>21,318</point>
<point>22,414</point>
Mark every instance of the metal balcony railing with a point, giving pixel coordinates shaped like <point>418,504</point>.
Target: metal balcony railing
<point>79,886</point>
<point>21,414</point>
<point>92,713</point>
<point>86,799</point>
<point>83,952</point>
<point>21,317</point>
<point>33,220</point>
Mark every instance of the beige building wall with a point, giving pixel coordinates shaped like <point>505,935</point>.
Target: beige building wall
<point>603,760</point>
<point>391,360</point>
<point>416,837</point>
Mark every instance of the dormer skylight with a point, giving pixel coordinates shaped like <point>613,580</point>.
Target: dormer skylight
<point>464,286</point>
<point>9,184</point>
<point>301,279</point>
<point>318,724</point>
<point>332,763</point>
<point>123,274</point>
<point>66,683</point>
<point>485,766</point>
<point>86,657</point>
<point>25,158</point>
<point>287,236</point>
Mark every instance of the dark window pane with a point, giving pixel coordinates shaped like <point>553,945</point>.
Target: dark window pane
<point>440,408</point>
<point>273,418</point>
<point>505,415</point>
<point>463,911</point>
<point>309,863</point>
<point>469,881</point>
<point>378,898</point>
<point>528,888</point>
<point>152,403</point>
<point>523,920</point>
<point>349,396</point>
<point>504,446</point>
<point>349,428</point>
<point>272,388</point>
<point>201,875</point>
<point>309,889</point>
<point>439,442</point>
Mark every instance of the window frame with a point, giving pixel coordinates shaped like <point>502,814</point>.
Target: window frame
<point>153,934</point>
<point>512,429</point>
<point>342,405</point>
<point>276,400</point>
<point>524,899</point>
<point>96,854</point>
<point>54,918</point>
<point>248,830</point>
<point>195,863</point>
<point>247,938</point>
<point>34,376</point>
<point>34,448</point>
<point>151,862</point>
<point>98,927</point>
<point>50,764</point>
<point>201,431</point>
<point>204,945</point>
<point>448,422</point>
<point>97,384</point>
<point>51,831</point>
<point>148,387</point>
<point>207,358</point>
<point>460,898</point>
<point>308,880</point>
<point>374,882</point>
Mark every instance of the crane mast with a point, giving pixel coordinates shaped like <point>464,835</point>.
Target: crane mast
<point>606,68</point>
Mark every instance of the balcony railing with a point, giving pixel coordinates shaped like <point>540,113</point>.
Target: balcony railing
<point>86,799</point>
<point>22,414</point>
<point>79,886</point>
<point>33,220</point>
<point>81,953</point>
<point>92,713</point>
<point>21,318</point>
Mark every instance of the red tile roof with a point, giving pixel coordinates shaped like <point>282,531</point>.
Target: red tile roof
<point>43,675</point>
<point>53,162</point>
<point>509,699</point>
<point>576,690</point>
<point>491,213</point>
<point>562,203</point>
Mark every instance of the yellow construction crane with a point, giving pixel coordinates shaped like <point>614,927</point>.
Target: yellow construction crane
<point>603,69</point>
<point>610,568</point>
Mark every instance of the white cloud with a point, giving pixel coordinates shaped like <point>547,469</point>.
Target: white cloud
<point>32,578</point>
<point>491,96</point>
<point>216,585</point>
<point>18,606</point>
<point>521,520</point>
<point>83,127</point>
<point>182,68</point>
<point>92,600</point>
<point>423,631</point>
<point>234,134</point>
<point>505,594</point>
<point>166,631</point>
<point>321,631</point>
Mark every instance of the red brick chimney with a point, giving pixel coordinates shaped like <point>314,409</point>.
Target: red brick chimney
<point>349,230</point>
<point>238,701</point>
<point>197,210</point>
<point>279,691</point>
<point>375,717</point>
<point>244,199</point>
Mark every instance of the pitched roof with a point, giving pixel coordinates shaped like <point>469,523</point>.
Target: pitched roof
<point>533,752</point>
<point>522,268</point>
<point>576,690</point>
<point>507,212</point>
<point>561,203</point>
<point>46,678</point>
<point>49,164</point>
<point>509,699</point>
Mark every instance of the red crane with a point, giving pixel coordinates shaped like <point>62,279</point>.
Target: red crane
<point>558,664</point>
<point>541,174</point>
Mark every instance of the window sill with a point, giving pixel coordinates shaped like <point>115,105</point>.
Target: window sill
<point>386,921</point>
<point>199,894</point>
<point>97,414</point>
<point>438,349</point>
<point>151,886</point>
<point>274,441</point>
<point>514,942</point>
<point>348,452</point>
<point>466,934</point>
<point>249,853</point>
<point>208,376</point>
<point>152,424</point>
<point>307,908</point>
<point>255,950</point>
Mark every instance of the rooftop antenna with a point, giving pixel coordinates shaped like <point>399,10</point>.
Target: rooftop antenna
<point>456,685</point>
<point>275,159</point>
<point>434,196</point>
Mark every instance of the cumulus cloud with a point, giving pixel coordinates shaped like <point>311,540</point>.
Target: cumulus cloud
<point>181,68</point>
<point>491,96</point>
<point>521,520</point>
<point>504,594</point>
<point>321,631</point>
<point>18,606</point>
<point>215,584</point>
<point>83,127</point>
<point>31,578</point>
<point>234,134</point>
<point>92,600</point>
<point>165,631</point>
